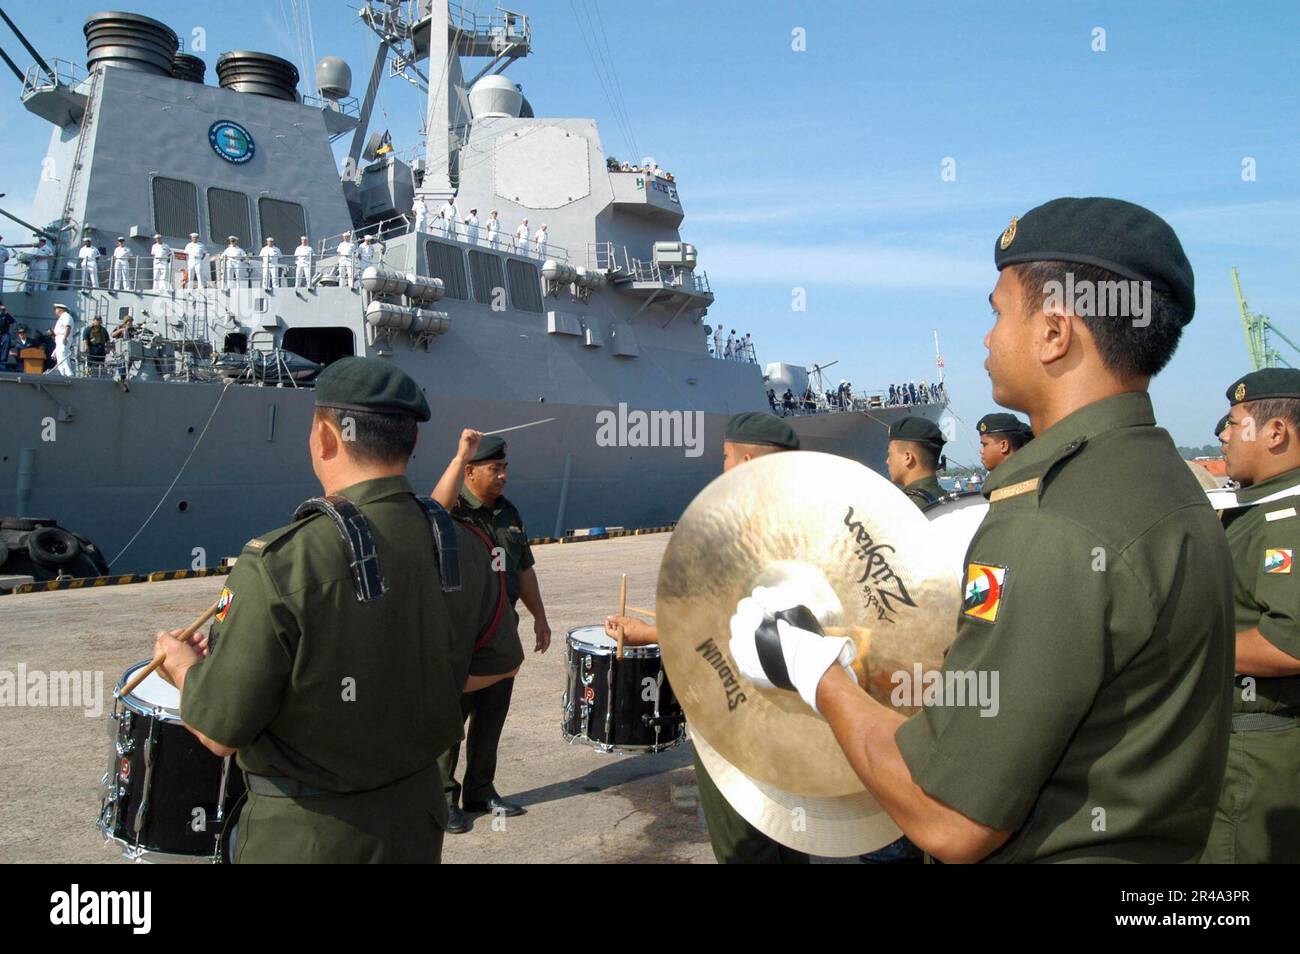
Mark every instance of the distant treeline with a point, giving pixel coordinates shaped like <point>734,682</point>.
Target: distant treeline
<point>1209,450</point>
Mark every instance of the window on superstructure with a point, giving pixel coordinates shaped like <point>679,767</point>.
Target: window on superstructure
<point>283,221</point>
<point>525,285</point>
<point>447,262</point>
<point>486,275</point>
<point>175,207</point>
<point>227,216</point>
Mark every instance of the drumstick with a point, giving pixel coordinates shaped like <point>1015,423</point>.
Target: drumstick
<point>622,611</point>
<point>183,635</point>
<point>643,612</point>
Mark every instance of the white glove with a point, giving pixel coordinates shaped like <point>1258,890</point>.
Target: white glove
<point>804,653</point>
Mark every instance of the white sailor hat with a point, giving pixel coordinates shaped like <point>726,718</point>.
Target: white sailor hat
<point>368,238</point>
<point>86,240</point>
<point>59,304</point>
<point>194,235</point>
<point>121,238</point>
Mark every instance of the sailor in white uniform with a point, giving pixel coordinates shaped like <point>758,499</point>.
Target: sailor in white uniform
<point>521,238</point>
<point>539,240</point>
<point>64,342</point>
<point>493,230</point>
<point>731,346</point>
<point>89,256</point>
<point>39,271</point>
<point>370,253</point>
<point>196,261</point>
<point>270,255</point>
<point>233,260</point>
<point>471,227</point>
<point>717,342</point>
<point>160,253</point>
<point>420,209</point>
<point>302,262</point>
<point>122,278</point>
<point>347,262</point>
<point>450,216</point>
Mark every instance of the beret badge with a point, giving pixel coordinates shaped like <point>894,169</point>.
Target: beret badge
<point>1240,393</point>
<point>1009,235</point>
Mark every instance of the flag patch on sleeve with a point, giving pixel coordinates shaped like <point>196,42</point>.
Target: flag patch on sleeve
<point>223,603</point>
<point>982,595</point>
<point>1277,560</point>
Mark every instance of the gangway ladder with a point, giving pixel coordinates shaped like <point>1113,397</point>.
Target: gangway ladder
<point>74,174</point>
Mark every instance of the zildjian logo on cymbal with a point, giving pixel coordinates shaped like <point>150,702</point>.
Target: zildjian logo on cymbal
<point>876,572</point>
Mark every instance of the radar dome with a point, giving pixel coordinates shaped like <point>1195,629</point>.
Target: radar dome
<point>333,77</point>
<point>495,96</point>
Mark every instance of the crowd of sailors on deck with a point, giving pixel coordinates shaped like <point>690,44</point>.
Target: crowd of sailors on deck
<point>448,222</point>
<point>915,392</point>
<point>736,347</point>
<point>650,168</point>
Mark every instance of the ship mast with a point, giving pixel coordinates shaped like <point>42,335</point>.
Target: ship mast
<point>938,356</point>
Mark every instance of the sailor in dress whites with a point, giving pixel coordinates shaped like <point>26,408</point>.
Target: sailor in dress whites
<point>369,253</point>
<point>471,227</point>
<point>420,210</point>
<point>493,230</point>
<point>270,255</point>
<point>64,341</point>
<point>539,241</point>
<point>521,238</point>
<point>450,218</point>
<point>160,254</point>
<point>347,263</point>
<point>42,257</point>
<point>89,256</point>
<point>122,278</point>
<point>196,261</point>
<point>302,264</point>
<point>233,258</point>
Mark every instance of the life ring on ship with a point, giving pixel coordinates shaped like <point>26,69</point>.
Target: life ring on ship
<point>53,546</point>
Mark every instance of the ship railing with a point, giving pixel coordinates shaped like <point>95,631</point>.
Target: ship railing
<point>676,276</point>
<point>65,73</point>
<point>348,105</point>
<point>742,352</point>
<point>603,257</point>
<point>462,234</point>
<point>504,23</point>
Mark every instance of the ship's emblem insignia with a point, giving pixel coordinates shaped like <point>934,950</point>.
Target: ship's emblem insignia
<point>1009,235</point>
<point>231,141</point>
<point>1240,393</point>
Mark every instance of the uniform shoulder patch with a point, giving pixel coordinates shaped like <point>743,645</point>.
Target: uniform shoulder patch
<point>1277,560</point>
<point>982,594</point>
<point>223,603</point>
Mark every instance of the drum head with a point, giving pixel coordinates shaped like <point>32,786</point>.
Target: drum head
<point>955,518</point>
<point>155,691</point>
<point>592,638</point>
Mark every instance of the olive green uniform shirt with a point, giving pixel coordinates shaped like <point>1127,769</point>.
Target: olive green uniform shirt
<point>307,682</point>
<point>502,522</point>
<point>1098,593</point>
<point>925,491</point>
<point>1265,539</point>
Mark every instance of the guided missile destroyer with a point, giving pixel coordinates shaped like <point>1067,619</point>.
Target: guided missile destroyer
<point>189,438</point>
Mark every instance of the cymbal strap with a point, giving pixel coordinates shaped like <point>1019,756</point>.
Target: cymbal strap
<point>767,640</point>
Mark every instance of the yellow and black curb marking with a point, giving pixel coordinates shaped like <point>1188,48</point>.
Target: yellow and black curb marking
<point>90,582</point>
<point>538,541</point>
<point>160,576</point>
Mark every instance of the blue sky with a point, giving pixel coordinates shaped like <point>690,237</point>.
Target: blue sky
<point>821,169</point>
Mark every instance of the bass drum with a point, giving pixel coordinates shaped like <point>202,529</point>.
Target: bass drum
<point>954,518</point>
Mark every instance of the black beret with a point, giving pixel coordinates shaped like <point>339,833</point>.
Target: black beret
<point>1265,383</point>
<point>370,384</point>
<point>1118,236</point>
<point>490,447</point>
<point>1218,428</point>
<point>757,427</point>
<point>919,429</point>
<point>999,423</point>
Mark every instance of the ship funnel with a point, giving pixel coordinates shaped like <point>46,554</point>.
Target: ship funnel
<point>188,67</point>
<point>261,74</point>
<point>495,96</point>
<point>130,42</point>
<point>333,78</point>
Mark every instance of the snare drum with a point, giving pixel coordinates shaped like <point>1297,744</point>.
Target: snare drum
<point>164,793</point>
<point>618,705</point>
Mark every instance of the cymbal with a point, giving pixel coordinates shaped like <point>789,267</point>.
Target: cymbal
<point>890,584</point>
<point>837,827</point>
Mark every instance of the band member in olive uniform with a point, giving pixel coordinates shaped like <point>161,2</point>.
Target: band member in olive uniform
<point>1001,435</point>
<point>1258,818</point>
<point>481,465</point>
<point>735,841</point>
<point>343,643</point>
<point>915,444</point>
<point>1098,586</point>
